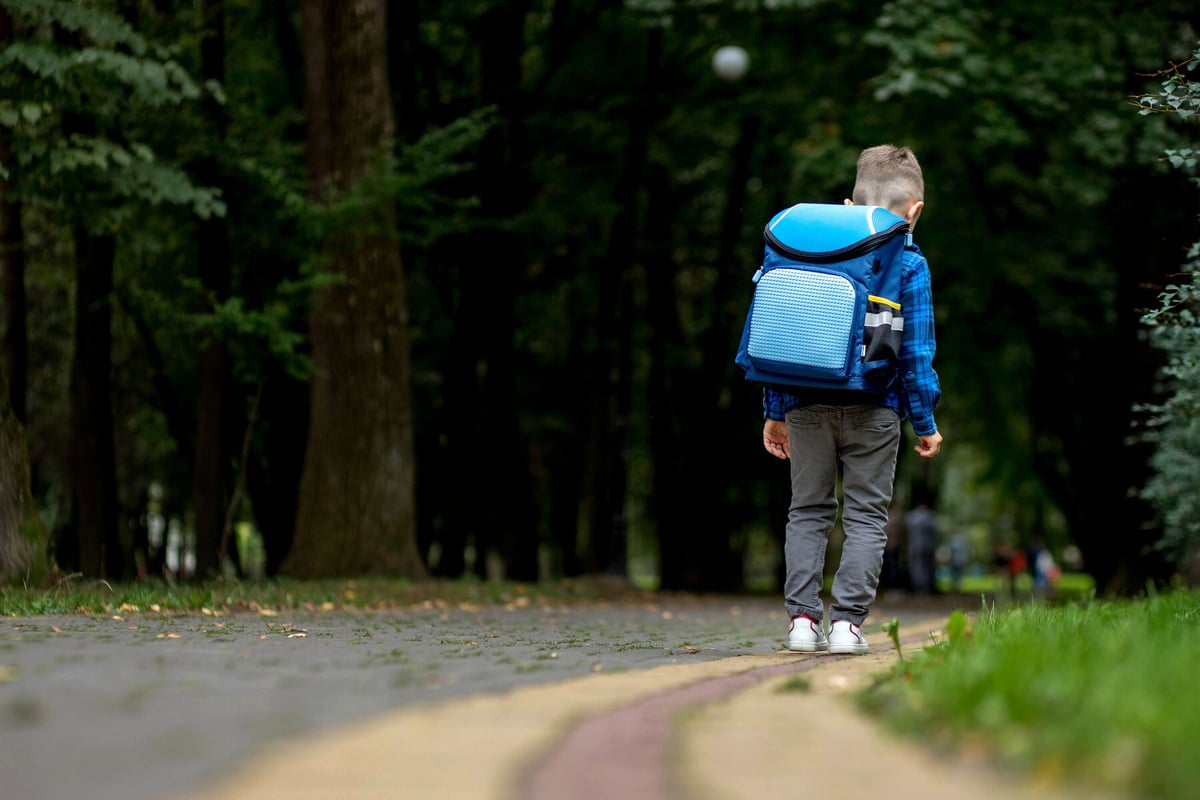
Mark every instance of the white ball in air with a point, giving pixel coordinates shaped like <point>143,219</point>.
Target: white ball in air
<point>730,62</point>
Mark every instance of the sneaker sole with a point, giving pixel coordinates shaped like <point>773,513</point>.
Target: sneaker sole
<point>848,649</point>
<point>807,648</point>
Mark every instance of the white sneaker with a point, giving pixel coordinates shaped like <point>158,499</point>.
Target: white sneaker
<point>846,637</point>
<point>805,636</point>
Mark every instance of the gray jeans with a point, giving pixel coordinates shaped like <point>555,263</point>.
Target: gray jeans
<point>863,441</point>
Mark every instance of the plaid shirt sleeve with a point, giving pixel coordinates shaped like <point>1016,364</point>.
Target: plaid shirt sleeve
<point>920,389</point>
<point>776,404</point>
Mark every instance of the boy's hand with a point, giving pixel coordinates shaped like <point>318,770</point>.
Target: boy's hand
<point>775,438</point>
<point>930,446</point>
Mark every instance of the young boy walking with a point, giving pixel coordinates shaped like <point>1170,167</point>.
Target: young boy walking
<point>822,430</point>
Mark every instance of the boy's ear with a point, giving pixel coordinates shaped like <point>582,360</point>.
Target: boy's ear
<point>848,202</point>
<point>914,211</point>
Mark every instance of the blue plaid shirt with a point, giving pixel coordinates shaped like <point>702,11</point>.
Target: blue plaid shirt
<point>918,391</point>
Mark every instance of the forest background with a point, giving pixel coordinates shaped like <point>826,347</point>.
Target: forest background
<point>453,288</point>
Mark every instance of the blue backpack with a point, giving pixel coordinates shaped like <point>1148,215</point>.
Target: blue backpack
<point>826,306</point>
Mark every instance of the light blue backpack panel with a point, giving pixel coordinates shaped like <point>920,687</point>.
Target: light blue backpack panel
<point>826,306</point>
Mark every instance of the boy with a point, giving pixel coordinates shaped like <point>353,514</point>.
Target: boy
<point>820,430</point>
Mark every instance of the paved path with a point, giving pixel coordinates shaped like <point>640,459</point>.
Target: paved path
<point>647,698</point>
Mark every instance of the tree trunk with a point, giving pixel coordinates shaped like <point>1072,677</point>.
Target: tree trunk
<point>12,261</point>
<point>483,425</point>
<point>16,330</point>
<point>504,194</point>
<point>273,477</point>
<point>608,534</point>
<point>357,507</point>
<point>93,462</point>
<point>212,467</point>
<point>22,537</point>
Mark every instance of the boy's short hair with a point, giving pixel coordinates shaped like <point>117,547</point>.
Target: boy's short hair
<point>888,176</point>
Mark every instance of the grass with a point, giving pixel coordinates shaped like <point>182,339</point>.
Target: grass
<point>1095,694</point>
<point>75,596</point>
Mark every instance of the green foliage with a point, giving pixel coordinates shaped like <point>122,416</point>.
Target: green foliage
<point>67,110</point>
<point>892,629</point>
<point>1174,424</point>
<point>104,29</point>
<point>402,194</point>
<point>107,125</point>
<point>426,211</point>
<point>1067,256</point>
<point>958,629</point>
<point>1179,96</point>
<point>1086,695</point>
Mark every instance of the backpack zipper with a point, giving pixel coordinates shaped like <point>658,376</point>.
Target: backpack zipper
<point>859,248</point>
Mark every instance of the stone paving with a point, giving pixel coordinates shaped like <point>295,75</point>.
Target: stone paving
<point>648,698</point>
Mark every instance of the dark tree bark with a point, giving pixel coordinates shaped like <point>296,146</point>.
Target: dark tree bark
<point>212,468</point>
<point>357,506</point>
<point>12,261</point>
<point>291,54</point>
<point>274,473</point>
<point>610,377</point>
<point>22,538</point>
<point>93,457</point>
<point>274,470</point>
<point>483,419</point>
<point>16,329</point>
<point>699,450</point>
<point>504,193</point>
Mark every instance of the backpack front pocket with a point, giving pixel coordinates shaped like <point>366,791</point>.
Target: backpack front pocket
<point>805,323</point>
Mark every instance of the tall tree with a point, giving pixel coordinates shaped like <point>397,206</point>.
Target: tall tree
<point>487,314</point>
<point>23,555</point>
<point>78,83</point>
<point>12,262</point>
<point>93,452</point>
<point>22,538</point>
<point>213,459</point>
<point>357,505</point>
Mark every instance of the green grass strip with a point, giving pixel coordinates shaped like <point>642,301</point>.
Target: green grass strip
<point>82,596</point>
<point>1101,694</point>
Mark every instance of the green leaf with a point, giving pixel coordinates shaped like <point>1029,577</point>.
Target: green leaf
<point>957,629</point>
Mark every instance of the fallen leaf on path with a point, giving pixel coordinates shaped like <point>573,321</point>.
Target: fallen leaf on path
<point>7,674</point>
<point>169,636</point>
